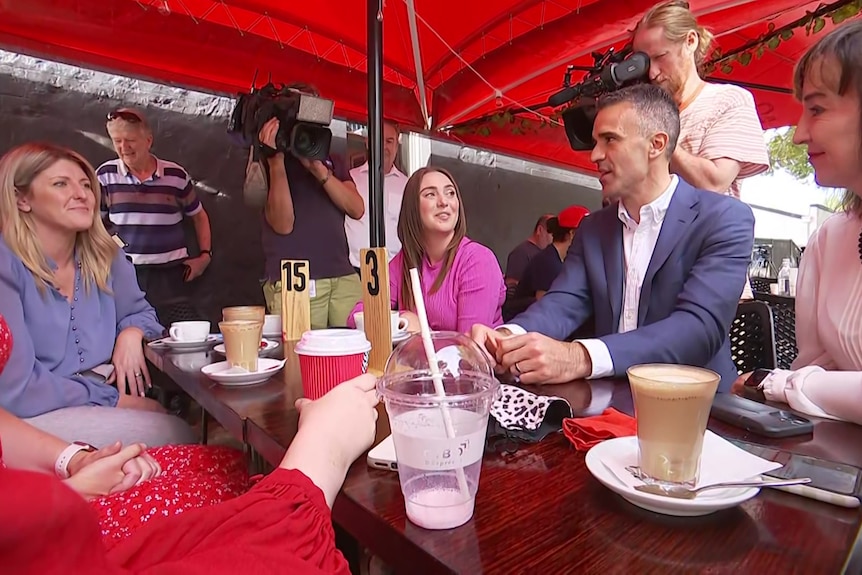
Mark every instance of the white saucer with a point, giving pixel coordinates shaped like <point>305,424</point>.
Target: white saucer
<point>187,345</point>
<point>273,335</point>
<point>627,448</point>
<point>223,373</point>
<point>400,336</point>
<point>268,345</point>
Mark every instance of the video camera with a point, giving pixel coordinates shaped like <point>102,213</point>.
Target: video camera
<point>610,72</point>
<point>303,120</point>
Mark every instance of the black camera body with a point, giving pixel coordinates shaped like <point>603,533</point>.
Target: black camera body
<point>611,71</point>
<point>304,120</point>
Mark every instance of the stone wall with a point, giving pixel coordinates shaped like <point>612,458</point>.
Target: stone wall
<point>46,101</point>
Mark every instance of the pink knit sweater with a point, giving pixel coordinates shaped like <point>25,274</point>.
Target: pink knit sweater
<point>473,291</point>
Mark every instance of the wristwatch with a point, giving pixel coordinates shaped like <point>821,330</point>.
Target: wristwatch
<point>61,466</point>
<point>753,386</point>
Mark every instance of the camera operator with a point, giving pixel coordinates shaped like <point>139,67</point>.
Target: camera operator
<point>721,138</point>
<point>304,220</point>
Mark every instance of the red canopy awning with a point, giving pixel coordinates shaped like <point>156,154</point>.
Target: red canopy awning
<point>474,56</point>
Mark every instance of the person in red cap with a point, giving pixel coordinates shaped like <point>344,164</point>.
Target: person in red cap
<point>543,269</point>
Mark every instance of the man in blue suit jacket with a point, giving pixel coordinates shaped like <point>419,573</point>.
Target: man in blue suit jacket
<point>661,270</point>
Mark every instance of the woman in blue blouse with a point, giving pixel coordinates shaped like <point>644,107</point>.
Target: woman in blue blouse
<point>68,293</point>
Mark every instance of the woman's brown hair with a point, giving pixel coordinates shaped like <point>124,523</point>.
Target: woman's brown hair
<point>843,46</point>
<point>412,236</point>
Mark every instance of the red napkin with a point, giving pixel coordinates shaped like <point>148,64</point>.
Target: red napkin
<point>585,432</point>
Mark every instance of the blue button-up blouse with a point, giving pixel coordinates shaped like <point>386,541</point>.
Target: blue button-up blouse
<point>56,341</point>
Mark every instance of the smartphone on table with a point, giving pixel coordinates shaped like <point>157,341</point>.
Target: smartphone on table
<point>382,456</point>
<point>831,482</point>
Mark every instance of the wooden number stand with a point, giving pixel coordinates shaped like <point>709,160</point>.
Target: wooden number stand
<point>375,300</point>
<point>295,299</point>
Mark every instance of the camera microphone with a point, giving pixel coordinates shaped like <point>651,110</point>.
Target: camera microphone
<point>563,96</point>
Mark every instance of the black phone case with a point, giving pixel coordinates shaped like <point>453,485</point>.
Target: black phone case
<point>759,418</point>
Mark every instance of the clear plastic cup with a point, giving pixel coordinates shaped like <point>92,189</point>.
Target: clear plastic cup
<point>439,474</point>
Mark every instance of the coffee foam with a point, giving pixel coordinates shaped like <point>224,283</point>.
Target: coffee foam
<point>671,375</point>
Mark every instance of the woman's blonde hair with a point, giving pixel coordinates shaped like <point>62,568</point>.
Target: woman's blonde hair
<point>677,20</point>
<point>95,250</point>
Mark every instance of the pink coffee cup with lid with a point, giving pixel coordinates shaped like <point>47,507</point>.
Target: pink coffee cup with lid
<point>328,357</point>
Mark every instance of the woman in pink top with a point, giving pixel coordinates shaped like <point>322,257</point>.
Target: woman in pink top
<point>462,282</point>
<point>826,377</point>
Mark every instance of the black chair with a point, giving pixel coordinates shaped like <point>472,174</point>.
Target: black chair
<point>752,337</point>
<point>762,284</point>
<point>784,320</point>
<point>180,309</point>
<point>165,390</point>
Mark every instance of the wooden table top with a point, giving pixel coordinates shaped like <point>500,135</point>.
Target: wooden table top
<point>539,510</point>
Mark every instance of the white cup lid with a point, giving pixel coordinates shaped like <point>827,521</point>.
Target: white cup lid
<point>323,342</point>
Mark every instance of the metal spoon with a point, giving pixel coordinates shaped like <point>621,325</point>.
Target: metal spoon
<point>680,492</point>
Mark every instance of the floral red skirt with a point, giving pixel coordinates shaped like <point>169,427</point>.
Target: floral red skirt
<point>192,476</point>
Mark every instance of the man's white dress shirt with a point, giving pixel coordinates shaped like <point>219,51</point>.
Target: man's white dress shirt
<point>357,230</point>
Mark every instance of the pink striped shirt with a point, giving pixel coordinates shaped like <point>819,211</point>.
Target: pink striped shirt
<point>473,291</point>
<point>722,122</point>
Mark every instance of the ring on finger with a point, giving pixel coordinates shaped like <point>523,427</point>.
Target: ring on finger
<point>517,367</point>
<point>139,375</point>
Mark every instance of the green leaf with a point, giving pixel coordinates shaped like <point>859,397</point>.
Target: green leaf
<point>819,23</point>
<point>727,69</point>
<point>787,156</point>
<point>760,50</point>
<point>773,43</point>
<point>786,34</point>
<point>484,131</point>
<point>843,14</point>
<point>745,58</point>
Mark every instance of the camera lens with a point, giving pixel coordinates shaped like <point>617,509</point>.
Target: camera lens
<point>311,141</point>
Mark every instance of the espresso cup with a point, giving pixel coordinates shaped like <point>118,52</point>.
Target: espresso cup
<point>272,324</point>
<point>190,331</point>
<point>398,323</point>
<point>672,404</point>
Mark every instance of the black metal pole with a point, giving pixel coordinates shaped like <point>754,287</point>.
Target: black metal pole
<point>376,228</point>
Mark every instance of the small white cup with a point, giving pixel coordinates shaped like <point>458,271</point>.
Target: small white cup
<point>272,324</point>
<point>399,324</point>
<point>190,331</point>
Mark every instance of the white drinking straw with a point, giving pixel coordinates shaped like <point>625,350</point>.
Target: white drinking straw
<point>436,376</point>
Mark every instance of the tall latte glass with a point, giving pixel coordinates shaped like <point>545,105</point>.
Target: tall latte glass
<point>672,404</point>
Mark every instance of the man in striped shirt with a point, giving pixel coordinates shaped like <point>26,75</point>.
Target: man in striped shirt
<point>144,201</point>
<point>721,139</point>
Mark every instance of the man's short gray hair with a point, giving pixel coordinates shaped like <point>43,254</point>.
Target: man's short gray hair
<point>655,109</point>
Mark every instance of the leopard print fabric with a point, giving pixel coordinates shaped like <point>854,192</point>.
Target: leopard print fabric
<point>519,409</point>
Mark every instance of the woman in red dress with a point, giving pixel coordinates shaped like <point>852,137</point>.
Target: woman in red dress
<point>281,525</point>
<point>163,481</point>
